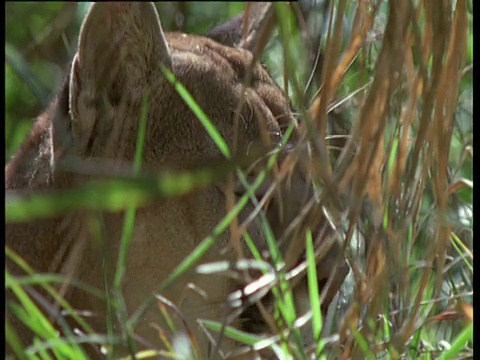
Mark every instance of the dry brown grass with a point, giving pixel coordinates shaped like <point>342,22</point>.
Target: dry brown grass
<point>394,164</point>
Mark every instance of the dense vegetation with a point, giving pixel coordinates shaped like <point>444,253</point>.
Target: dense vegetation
<point>396,80</point>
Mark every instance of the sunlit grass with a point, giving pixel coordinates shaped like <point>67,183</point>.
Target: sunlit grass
<point>402,181</point>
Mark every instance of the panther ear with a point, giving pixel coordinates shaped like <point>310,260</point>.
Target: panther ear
<point>121,46</point>
<point>258,19</point>
<point>133,29</point>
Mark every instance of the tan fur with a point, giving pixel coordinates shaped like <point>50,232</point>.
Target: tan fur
<point>96,117</point>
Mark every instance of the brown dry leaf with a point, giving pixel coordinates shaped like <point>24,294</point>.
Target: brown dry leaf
<point>467,310</point>
<point>460,184</point>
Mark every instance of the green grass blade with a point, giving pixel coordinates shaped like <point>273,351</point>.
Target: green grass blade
<point>466,336</point>
<point>111,195</point>
<point>317,321</point>
<point>199,113</point>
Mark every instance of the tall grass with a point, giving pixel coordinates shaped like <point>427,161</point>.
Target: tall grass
<point>387,114</point>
